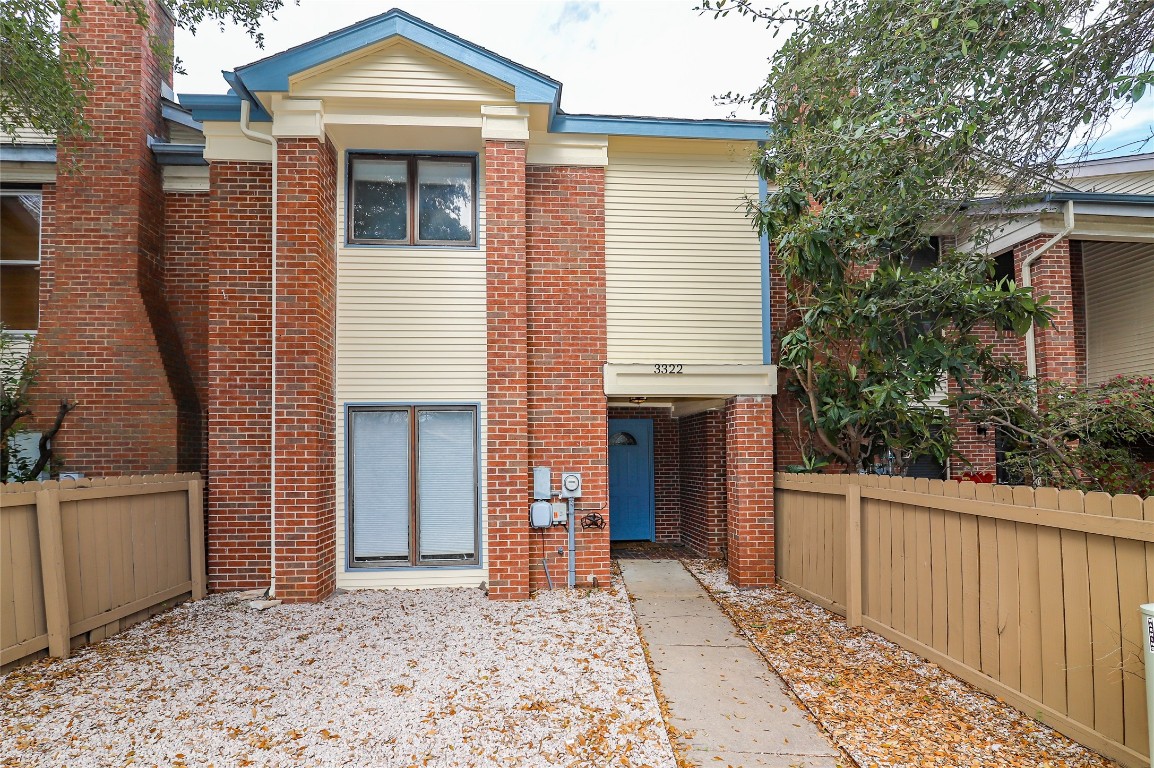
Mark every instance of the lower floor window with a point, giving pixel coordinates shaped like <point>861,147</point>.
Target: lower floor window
<point>413,485</point>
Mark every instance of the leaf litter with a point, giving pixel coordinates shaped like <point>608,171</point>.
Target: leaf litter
<point>437,677</point>
<point>885,706</point>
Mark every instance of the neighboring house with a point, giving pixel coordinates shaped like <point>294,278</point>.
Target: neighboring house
<point>450,282</point>
<point>1089,246</point>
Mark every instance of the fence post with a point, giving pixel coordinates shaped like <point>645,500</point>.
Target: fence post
<point>853,580</point>
<point>52,572</point>
<point>196,536</point>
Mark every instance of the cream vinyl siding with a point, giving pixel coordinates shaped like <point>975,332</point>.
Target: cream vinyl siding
<point>683,266</point>
<point>1119,279</point>
<point>1138,183</point>
<point>410,329</point>
<point>400,70</point>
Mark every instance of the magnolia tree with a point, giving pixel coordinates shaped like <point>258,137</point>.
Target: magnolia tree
<point>44,73</point>
<point>889,120</point>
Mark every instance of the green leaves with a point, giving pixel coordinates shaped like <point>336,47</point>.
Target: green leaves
<point>44,72</point>
<point>889,118</point>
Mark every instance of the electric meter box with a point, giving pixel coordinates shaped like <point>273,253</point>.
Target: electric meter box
<point>542,483</point>
<point>541,514</point>
<point>570,485</point>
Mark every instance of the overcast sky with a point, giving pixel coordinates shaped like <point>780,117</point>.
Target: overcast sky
<point>612,57</point>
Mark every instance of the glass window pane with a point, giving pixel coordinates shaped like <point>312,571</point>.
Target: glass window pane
<point>445,200</point>
<point>380,199</point>
<point>20,227</point>
<point>380,486</point>
<point>447,472</point>
<point>19,297</point>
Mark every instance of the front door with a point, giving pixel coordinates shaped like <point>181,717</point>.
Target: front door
<point>631,480</point>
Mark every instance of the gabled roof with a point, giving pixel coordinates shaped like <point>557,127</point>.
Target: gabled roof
<point>273,74</point>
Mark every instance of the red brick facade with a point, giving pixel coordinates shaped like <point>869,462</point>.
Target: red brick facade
<point>240,375</point>
<point>749,490</point>
<point>702,476</point>
<point>565,339</point>
<point>107,339</point>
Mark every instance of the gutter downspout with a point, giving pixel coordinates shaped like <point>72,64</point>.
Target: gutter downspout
<point>1031,350</point>
<point>245,108</point>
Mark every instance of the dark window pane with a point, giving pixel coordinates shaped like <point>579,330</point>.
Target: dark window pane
<point>380,200</point>
<point>20,227</point>
<point>19,297</point>
<point>925,257</point>
<point>445,201</point>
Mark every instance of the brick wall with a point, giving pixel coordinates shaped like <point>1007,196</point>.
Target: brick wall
<point>507,477</point>
<point>107,337</point>
<point>702,470</point>
<point>239,363</point>
<point>749,490</point>
<point>565,339</point>
<point>666,468</point>
<point>188,253</point>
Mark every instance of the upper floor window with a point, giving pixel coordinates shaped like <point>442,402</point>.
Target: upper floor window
<point>20,259</point>
<point>412,200</point>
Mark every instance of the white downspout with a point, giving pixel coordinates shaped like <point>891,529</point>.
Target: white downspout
<point>1031,351</point>
<point>245,108</point>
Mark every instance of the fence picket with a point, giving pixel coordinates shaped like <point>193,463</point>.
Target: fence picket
<point>1132,592</point>
<point>1030,593</point>
<point>1051,606</point>
<point>1105,624</point>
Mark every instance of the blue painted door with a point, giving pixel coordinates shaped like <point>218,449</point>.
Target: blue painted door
<point>631,480</point>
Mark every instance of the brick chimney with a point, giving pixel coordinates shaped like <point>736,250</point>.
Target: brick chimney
<point>107,339</point>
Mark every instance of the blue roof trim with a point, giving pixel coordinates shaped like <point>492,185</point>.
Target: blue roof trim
<point>1098,197</point>
<point>272,74</point>
<point>179,154</point>
<point>28,153</point>
<point>179,116</point>
<point>660,127</point>
<point>208,107</point>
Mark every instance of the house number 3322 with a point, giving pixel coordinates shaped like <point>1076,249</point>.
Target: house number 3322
<point>666,368</point>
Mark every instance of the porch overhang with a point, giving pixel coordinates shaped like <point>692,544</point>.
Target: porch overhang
<point>688,380</point>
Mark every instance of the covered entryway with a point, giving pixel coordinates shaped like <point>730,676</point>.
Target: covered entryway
<point>631,495</point>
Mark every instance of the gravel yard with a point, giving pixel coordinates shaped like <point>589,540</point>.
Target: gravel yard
<point>424,678</point>
<point>883,705</point>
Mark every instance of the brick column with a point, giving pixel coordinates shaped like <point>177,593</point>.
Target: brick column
<point>749,490</point>
<point>239,363</point>
<point>565,283</point>
<point>305,525</point>
<point>1056,345</point>
<point>107,339</point>
<point>507,480</point>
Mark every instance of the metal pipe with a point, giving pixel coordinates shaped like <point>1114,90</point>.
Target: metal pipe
<point>572,542</point>
<point>245,109</point>
<point>1031,349</point>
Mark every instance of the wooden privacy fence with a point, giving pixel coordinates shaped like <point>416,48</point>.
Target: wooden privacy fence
<point>1031,594</point>
<point>84,559</point>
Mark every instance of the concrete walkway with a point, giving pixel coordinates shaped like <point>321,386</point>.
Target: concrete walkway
<point>717,687</point>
